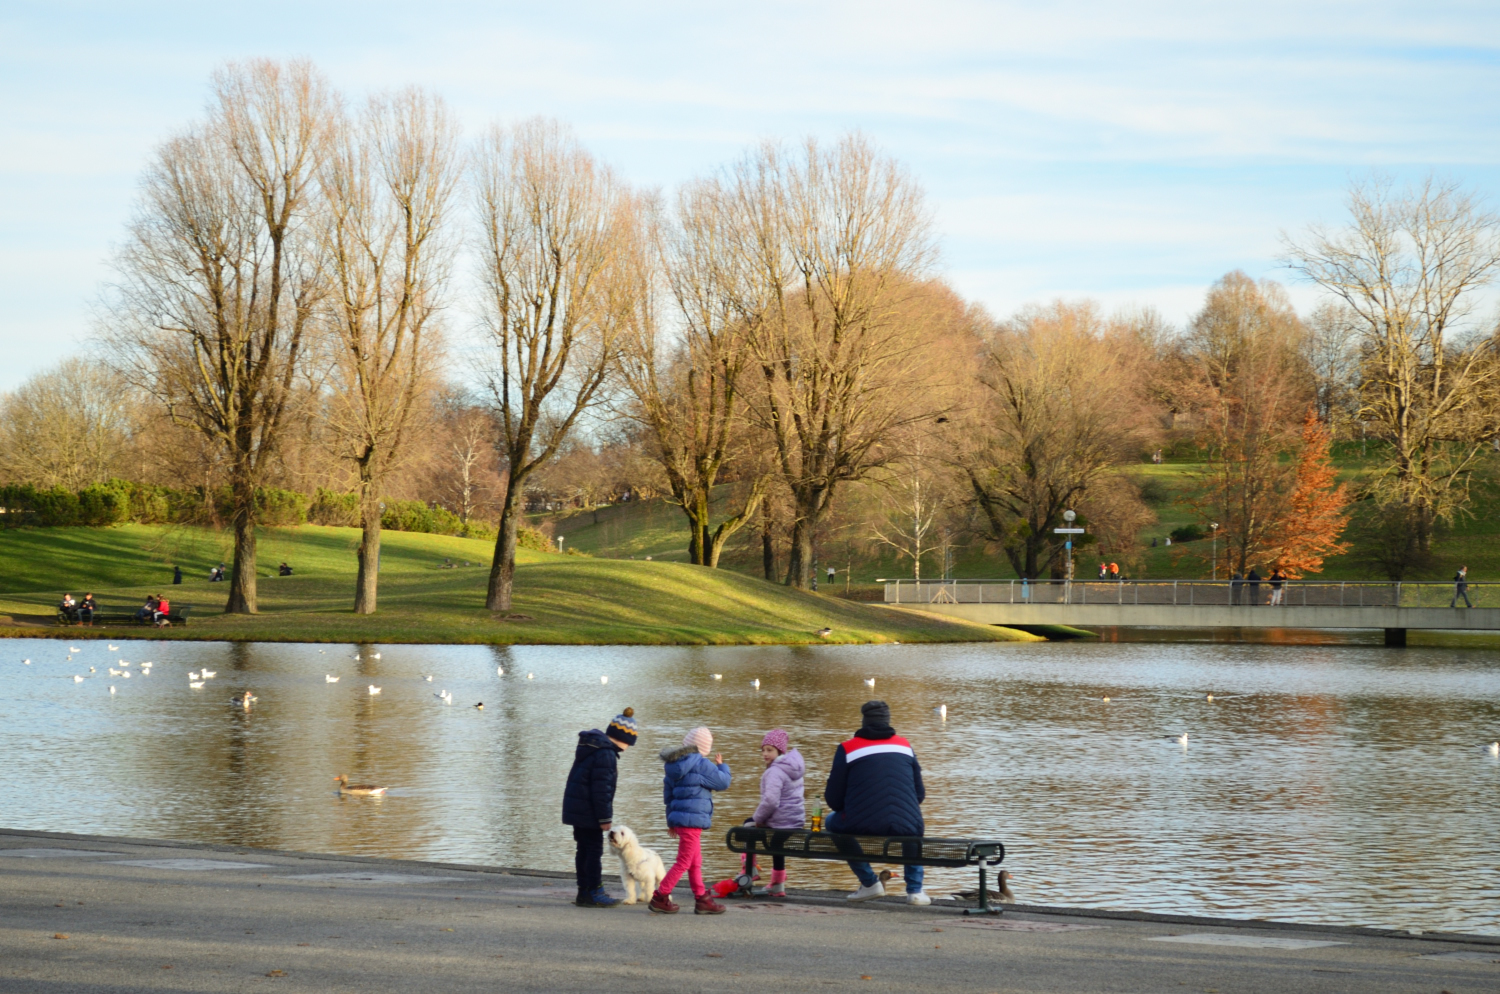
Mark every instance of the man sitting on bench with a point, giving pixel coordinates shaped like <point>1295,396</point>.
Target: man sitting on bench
<point>147,610</point>
<point>86,608</point>
<point>68,607</point>
<point>875,788</point>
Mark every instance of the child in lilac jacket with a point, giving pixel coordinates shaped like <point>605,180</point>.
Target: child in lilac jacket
<point>781,803</point>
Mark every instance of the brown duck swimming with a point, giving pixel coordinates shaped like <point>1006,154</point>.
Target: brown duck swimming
<point>345,787</point>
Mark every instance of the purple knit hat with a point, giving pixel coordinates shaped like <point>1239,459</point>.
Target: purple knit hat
<point>776,739</point>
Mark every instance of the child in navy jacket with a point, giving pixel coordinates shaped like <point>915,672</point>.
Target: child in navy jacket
<point>588,803</point>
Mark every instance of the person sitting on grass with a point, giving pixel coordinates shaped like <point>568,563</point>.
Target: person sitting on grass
<point>86,610</point>
<point>163,609</point>
<point>284,570</point>
<point>148,610</point>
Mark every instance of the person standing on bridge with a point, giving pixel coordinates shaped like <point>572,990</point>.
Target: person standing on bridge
<point>875,788</point>
<point>1254,580</point>
<point>1278,581</point>
<point>1461,587</point>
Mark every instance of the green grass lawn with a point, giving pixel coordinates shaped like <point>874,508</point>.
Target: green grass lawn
<point>564,599</point>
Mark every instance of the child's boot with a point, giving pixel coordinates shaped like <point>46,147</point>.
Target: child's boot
<point>706,905</point>
<point>662,904</point>
<point>778,884</point>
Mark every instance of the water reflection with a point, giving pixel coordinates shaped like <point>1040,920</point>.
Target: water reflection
<point>1329,783</point>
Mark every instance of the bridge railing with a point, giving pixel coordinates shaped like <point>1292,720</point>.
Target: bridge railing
<point>1188,593</point>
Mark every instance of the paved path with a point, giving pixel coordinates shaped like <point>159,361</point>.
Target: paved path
<point>92,915</point>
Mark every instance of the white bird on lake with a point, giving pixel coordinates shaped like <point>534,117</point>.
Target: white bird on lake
<point>718,676</point>
<point>196,685</point>
<point>78,679</point>
<point>428,678</point>
<point>870,682</point>
<point>441,695</point>
<point>755,683</point>
<point>356,655</point>
<point>374,655</point>
<point>91,669</point>
<point>531,676</point>
<point>194,676</point>
<point>210,674</point>
<point>74,649</point>
<point>374,690</point>
<point>499,670</point>
<point>1208,697</point>
<point>1494,748</point>
<point>25,662</point>
<point>111,690</point>
<point>114,648</point>
<point>330,679</point>
<point>125,675</point>
<point>113,671</point>
<point>28,662</point>
<point>1182,739</point>
<point>942,710</point>
<point>604,679</point>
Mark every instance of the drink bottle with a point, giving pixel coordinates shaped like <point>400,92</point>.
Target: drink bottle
<point>817,821</point>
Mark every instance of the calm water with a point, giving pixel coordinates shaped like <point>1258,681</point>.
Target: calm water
<point>1327,783</point>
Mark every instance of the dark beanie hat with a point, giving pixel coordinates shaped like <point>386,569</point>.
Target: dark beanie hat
<point>877,714</point>
<point>623,728</point>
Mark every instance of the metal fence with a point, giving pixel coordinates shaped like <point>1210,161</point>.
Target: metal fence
<point>1187,593</point>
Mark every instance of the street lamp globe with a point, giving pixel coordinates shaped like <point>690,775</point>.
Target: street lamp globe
<point>1068,516</point>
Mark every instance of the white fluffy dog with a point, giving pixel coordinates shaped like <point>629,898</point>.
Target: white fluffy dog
<point>641,870</point>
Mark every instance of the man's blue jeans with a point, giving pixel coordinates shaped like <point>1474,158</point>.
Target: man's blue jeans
<point>867,876</point>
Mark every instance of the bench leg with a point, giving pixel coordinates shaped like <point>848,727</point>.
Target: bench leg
<point>984,897</point>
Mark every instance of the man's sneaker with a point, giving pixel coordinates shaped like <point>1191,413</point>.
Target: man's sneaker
<point>598,899</point>
<point>662,904</point>
<point>870,893</point>
<point>920,899</point>
<point>706,905</point>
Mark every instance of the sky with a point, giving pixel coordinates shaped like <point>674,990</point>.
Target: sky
<point>1128,153</point>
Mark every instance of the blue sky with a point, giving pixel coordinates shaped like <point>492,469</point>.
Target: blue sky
<point>1132,153</point>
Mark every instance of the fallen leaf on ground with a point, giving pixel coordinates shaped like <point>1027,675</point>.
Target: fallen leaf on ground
<point>865,976</point>
<point>714,955</point>
<point>277,973</point>
<point>58,935</point>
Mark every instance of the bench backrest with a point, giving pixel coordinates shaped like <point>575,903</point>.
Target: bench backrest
<point>929,850</point>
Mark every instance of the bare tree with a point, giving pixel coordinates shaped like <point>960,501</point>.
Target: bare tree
<point>827,247</point>
<point>1331,351</point>
<point>462,470</point>
<point>1411,264</point>
<point>387,184</point>
<point>915,496</point>
<point>66,427</point>
<point>1057,413</point>
<point>686,381</point>
<point>555,227</point>
<point>218,275</point>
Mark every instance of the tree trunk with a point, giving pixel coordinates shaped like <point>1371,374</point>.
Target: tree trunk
<point>799,565</point>
<point>767,545</point>
<point>242,579</point>
<point>368,579</point>
<point>503,569</point>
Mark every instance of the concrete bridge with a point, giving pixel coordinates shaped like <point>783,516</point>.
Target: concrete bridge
<point>1391,607</point>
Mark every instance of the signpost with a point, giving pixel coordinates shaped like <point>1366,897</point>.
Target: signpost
<point>1070,531</point>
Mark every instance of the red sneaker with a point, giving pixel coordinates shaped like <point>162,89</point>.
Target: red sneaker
<point>661,904</point>
<point>706,905</point>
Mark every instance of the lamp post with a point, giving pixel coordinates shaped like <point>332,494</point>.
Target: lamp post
<point>1214,525</point>
<point>1069,531</point>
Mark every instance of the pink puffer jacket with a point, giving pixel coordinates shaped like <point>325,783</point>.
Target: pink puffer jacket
<point>781,789</point>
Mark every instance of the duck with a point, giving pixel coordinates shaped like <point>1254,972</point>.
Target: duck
<point>210,674</point>
<point>196,685</point>
<point>479,706</point>
<point>243,699</point>
<point>367,789</point>
<point>870,682</point>
<point>328,678</point>
<point>91,669</point>
<point>823,633</point>
<point>374,690</point>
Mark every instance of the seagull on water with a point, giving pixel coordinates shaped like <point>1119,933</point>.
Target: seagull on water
<point>78,679</point>
<point>718,676</point>
<point>604,679</point>
<point>755,683</point>
<point>499,671</point>
<point>356,656</point>
<point>428,678</point>
<point>126,675</point>
<point>196,685</point>
<point>114,648</point>
<point>194,676</point>
<point>374,690</point>
<point>113,671</point>
<point>942,711</point>
<point>1493,748</point>
<point>531,676</point>
<point>870,682</point>
<point>111,691</point>
<point>374,655</point>
<point>329,678</point>
<point>27,662</point>
<point>442,695</point>
<point>74,648</point>
<point>1182,739</point>
<point>91,669</point>
<point>1208,697</point>
<point>210,674</point>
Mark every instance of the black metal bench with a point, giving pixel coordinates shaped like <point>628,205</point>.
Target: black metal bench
<point>799,843</point>
<point>127,616</point>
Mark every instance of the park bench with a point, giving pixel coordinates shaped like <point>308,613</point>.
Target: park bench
<point>799,843</point>
<point>106,614</point>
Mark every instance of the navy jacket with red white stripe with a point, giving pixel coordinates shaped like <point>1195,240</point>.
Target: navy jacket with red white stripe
<point>876,785</point>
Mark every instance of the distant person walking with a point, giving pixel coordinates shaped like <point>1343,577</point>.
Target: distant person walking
<point>1278,581</point>
<point>1235,583</point>
<point>176,575</point>
<point>1461,587</point>
<point>1254,580</point>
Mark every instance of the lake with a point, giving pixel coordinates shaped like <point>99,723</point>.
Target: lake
<point>1335,782</point>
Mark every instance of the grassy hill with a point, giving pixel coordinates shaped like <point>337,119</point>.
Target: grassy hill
<point>657,529</point>
<point>559,599</point>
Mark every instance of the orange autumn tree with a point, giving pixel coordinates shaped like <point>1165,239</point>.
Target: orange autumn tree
<point>1317,508</point>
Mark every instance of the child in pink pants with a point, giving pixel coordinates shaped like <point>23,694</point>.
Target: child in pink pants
<point>687,789</point>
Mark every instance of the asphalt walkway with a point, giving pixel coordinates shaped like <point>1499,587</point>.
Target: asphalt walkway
<point>93,915</point>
